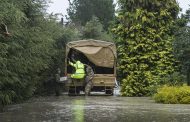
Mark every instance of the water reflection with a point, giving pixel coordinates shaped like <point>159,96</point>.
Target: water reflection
<point>95,109</point>
<point>78,110</point>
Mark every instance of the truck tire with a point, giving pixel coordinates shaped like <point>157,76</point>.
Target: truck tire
<point>77,91</point>
<point>71,91</point>
<point>109,92</point>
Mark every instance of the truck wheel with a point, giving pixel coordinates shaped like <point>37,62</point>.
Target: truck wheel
<point>88,88</point>
<point>71,91</point>
<point>77,91</point>
<point>109,92</point>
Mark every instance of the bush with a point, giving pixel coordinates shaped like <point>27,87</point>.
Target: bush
<point>174,79</point>
<point>138,84</point>
<point>173,95</point>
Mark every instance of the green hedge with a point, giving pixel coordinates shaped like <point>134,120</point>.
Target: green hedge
<point>173,95</point>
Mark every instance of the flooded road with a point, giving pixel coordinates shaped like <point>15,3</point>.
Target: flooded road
<point>94,109</point>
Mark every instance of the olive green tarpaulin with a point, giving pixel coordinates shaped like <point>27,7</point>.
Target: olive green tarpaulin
<point>100,53</point>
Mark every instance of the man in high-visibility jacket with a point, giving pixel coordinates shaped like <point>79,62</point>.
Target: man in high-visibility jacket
<point>79,70</point>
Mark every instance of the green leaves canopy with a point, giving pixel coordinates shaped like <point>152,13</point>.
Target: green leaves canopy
<point>82,11</point>
<point>182,42</point>
<point>144,41</point>
<point>33,51</point>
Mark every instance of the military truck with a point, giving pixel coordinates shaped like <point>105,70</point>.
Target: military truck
<point>101,57</point>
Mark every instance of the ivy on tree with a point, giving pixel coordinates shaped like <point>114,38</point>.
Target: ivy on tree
<point>144,42</point>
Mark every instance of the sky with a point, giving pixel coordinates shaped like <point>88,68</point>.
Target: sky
<point>60,6</point>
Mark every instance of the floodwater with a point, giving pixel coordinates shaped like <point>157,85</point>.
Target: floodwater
<point>95,109</point>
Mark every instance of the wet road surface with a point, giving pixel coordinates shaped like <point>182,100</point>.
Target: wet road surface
<point>94,109</point>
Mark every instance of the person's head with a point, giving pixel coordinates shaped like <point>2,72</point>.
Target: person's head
<point>78,61</point>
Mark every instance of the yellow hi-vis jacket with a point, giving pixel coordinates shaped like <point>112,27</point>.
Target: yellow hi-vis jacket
<point>79,67</point>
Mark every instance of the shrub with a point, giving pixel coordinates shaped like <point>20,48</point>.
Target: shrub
<point>173,95</point>
<point>174,79</point>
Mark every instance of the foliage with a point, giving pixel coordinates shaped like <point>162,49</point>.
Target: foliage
<point>82,11</point>
<point>174,79</point>
<point>94,30</point>
<point>144,42</point>
<point>181,44</point>
<point>173,95</point>
<point>34,50</point>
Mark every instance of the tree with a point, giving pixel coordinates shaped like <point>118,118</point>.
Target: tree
<point>94,30</point>
<point>33,51</point>
<point>181,44</point>
<point>144,42</point>
<point>82,11</point>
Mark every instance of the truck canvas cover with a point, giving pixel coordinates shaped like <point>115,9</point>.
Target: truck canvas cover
<point>100,53</point>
